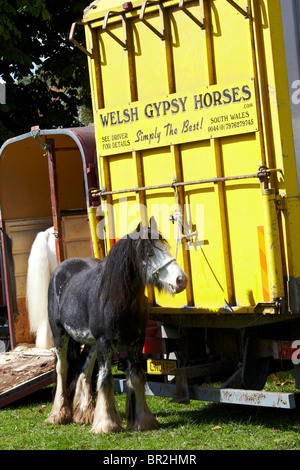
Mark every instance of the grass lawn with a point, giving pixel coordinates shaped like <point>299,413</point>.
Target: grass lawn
<point>197,426</point>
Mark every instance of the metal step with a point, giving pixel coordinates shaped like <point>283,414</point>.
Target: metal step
<point>218,395</point>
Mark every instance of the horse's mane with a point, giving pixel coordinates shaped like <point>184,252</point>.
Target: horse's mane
<point>124,273</point>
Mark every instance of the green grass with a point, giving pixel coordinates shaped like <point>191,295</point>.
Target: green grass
<point>197,426</point>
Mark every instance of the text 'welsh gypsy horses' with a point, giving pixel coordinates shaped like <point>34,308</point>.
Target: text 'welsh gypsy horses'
<point>102,305</point>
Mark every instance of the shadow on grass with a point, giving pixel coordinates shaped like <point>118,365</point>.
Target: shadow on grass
<point>44,395</point>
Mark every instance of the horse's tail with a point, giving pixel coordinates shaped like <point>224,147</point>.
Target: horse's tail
<point>38,277</point>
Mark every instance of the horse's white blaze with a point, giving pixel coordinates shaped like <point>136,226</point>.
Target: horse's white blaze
<point>165,267</point>
<point>41,263</point>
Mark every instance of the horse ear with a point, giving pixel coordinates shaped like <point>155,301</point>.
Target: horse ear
<point>153,224</point>
<point>141,231</point>
<point>154,229</point>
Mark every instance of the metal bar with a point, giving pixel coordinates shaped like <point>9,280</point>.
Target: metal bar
<point>149,25</point>
<point>175,184</point>
<point>190,15</point>
<point>110,217</point>
<point>273,248</point>
<point>104,28</point>
<point>55,200</point>
<point>98,245</point>
<point>76,43</point>
<point>258,43</point>
<point>238,8</point>
<point>8,287</point>
<point>244,397</point>
<point>97,65</point>
<point>218,395</point>
<point>256,84</point>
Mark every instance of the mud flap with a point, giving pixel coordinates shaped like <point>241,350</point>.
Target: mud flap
<point>255,368</point>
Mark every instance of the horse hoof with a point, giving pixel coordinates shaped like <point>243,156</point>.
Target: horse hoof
<point>61,418</point>
<point>106,429</point>
<point>149,425</point>
<point>83,419</point>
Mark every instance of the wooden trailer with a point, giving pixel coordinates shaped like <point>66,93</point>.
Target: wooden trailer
<point>46,177</point>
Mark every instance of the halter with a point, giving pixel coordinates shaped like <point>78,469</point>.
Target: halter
<point>157,271</point>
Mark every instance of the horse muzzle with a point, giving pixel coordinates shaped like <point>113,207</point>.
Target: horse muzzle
<point>181,283</point>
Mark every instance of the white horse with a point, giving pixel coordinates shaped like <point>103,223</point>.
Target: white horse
<point>41,264</point>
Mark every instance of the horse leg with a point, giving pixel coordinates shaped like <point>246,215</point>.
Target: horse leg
<point>106,418</point>
<point>83,403</point>
<point>61,412</point>
<point>138,415</point>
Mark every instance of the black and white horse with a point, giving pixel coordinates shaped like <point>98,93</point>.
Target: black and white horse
<point>102,305</point>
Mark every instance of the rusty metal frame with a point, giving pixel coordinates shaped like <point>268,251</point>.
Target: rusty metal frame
<point>261,175</point>
<point>50,146</point>
<point>76,43</point>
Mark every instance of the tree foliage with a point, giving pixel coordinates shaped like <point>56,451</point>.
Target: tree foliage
<point>46,76</point>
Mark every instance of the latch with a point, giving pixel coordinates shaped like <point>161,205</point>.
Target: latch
<point>182,231</point>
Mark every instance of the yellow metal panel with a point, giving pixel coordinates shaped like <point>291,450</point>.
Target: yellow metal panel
<point>187,52</point>
<point>232,46</point>
<point>151,79</point>
<point>159,168</point>
<point>206,253</point>
<point>170,55</point>
<point>115,77</point>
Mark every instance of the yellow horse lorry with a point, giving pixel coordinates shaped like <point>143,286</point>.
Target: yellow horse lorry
<point>196,114</point>
<point>196,107</point>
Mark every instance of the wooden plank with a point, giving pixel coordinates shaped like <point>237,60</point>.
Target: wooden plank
<point>24,371</point>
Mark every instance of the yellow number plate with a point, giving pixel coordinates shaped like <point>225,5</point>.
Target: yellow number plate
<point>162,366</point>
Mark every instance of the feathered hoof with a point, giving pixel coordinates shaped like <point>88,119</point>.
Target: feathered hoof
<point>149,424</point>
<point>106,429</point>
<point>62,417</point>
<point>84,416</point>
